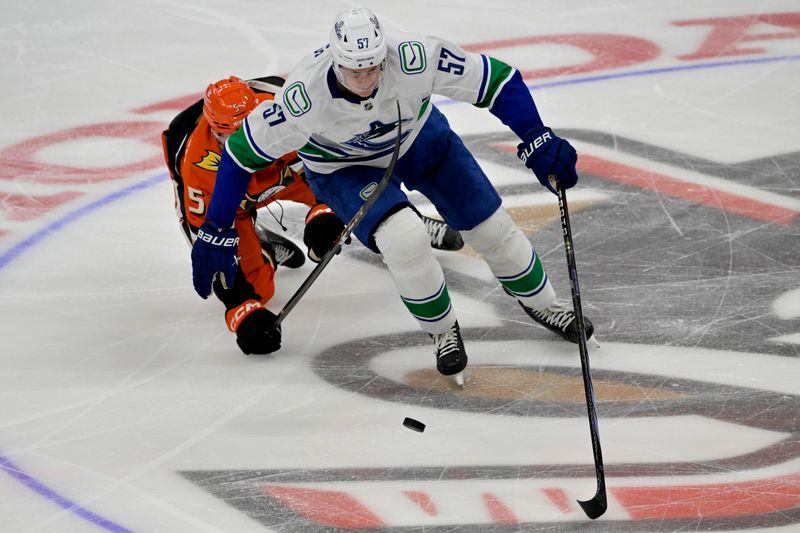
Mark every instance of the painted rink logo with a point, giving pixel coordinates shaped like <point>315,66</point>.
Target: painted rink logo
<point>703,474</point>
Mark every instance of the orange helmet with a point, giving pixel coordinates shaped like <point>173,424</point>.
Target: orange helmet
<point>227,103</point>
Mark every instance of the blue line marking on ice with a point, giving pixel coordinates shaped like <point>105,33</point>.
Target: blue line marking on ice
<point>665,70</point>
<point>648,72</point>
<point>21,247</point>
<point>40,488</point>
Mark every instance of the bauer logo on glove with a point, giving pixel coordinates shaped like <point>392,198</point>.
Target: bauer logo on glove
<point>547,154</point>
<point>214,251</point>
<point>536,143</point>
<point>215,240</point>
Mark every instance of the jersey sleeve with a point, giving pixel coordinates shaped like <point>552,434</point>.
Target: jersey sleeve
<point>483,81</point>
<point>265,136</point>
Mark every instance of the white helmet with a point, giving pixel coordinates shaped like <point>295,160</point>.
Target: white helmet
<point>357,40</point>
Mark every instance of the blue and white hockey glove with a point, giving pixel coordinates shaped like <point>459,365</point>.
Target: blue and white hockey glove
<point>547,154</point>
<point>214,251</point>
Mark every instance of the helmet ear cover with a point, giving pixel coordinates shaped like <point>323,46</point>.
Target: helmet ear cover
<point>226,103</point>
<point>357,40</point>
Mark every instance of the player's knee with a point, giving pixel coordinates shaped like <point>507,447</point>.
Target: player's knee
<point>493,234</point>
<point>402,238</point>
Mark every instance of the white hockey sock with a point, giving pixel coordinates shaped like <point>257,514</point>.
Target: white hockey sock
<point>406,248</point>
<point>512,259</point>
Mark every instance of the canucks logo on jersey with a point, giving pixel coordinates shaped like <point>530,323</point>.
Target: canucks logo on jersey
<point>377,130</point>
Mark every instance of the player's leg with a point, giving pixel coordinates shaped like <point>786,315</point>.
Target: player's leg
<point>516,265</point>
<point>394,230</point>
<point>467,200</point>
<point>277,249</point>
<point>405,245</point>
<point>442,236</point>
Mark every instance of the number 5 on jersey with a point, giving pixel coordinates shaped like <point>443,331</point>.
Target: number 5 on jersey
<point>197,201</point>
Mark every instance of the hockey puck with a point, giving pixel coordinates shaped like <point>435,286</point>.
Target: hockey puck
<point>416,425</point>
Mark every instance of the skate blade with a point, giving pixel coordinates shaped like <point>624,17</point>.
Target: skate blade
<point>593,342</point>
<point>459,379</point>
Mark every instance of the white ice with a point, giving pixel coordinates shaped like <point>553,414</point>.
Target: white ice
<point>115,376</point>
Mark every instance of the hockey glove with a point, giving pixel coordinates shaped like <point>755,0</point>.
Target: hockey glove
<point>323,229</point>
<point>547,154</point>
<point>214,251</point>
<point>256,332</point>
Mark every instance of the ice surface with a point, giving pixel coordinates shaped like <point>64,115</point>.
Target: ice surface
<point>125,404</point>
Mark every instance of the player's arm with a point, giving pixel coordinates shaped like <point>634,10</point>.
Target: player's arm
<point>264,136</point>
<point>490,83</point>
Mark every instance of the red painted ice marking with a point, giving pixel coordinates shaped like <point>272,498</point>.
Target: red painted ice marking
<point>727,500</point>
<point>25,207</point>
<point>559,498</point>
<point>20,162</point>
<point>174,104</point>
<point>608,51</point>
<point>728,33</point>
<point>423,500</point>
<point>693,192</point>
<point>499,511</point>
<point>330,508</point>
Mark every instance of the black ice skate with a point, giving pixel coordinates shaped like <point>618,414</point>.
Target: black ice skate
<point>451,358</point>
<point>279,250</point>
<point>443,237</point>
<point>561,320</point>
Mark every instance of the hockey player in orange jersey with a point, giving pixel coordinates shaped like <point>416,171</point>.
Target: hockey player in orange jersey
<point>192,146</point>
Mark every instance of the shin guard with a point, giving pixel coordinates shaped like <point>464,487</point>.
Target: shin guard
<point>406,248</point>
<point>512,259</point>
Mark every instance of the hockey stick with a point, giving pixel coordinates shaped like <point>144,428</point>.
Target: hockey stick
<point>595,507</point>
<point>351,226</point>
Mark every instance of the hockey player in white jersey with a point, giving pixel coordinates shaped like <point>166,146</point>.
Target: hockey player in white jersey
<point>338,109</point>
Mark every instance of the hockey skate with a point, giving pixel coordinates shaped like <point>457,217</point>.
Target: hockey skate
<point>443,237</point>
<point>279,250</point>
<point>451,358</point>
<point>561,320</point>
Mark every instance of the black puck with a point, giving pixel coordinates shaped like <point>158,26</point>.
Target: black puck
<point>416,425</point>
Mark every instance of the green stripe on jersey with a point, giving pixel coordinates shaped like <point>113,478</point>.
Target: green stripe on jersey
<point>424,107</point>
<point>244,154</point>
<point>529,281</point>
<point>310,149</point>
<point>499,72</point>
<point>431,308</point>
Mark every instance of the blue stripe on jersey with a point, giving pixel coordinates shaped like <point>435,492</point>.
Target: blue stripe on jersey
<point>535,291</point>
<point>484,79</point>
<point>327,148</point>
<point>253,144</point>
<point>436,318</point>
<point>425,299</point>
<point>318,159</point>
<point>524,272</point>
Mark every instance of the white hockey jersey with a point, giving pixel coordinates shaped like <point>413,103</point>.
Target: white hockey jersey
<point>331,130</point>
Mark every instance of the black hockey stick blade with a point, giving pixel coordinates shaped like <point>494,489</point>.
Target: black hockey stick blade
<point>349,228</point>
<point>595,507</point>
